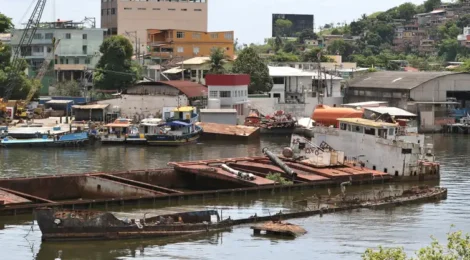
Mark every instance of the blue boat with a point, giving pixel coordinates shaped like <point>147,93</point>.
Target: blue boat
<point>65,140</point>
<point>180,129</point>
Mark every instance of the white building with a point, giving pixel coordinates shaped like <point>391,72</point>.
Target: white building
<point>293,91</point>
<point>228,91</point>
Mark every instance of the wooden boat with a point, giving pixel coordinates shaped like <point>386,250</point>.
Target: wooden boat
<point>67,225</point>
<point>180,129</point>
<point>73,139</point>
<point>122,131</point>
<point>279,123</point>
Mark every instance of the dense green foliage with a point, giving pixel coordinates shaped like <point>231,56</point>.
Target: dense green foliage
<point>115,69</point>
<point>458,247</point>
<point>277,177</point>
<point>373,41</point>
<point>217,61</point>
<point>248,62</point>
<point>67,89</point>
<point>22,84</point>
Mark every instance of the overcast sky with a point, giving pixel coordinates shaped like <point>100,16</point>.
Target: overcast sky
<point>250,19</point>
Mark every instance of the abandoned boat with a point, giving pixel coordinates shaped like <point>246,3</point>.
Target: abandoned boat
<point>279,123</point>
<point>73,225</point>
<point>178,130</point>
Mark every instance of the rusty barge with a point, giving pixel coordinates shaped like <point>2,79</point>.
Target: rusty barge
<point>67,225</point>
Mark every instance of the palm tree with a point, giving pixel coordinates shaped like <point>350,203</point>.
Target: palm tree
<point>217,59</point>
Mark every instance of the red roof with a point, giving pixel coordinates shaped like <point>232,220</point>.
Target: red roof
<point>188,88</point>
<point>228,80</point>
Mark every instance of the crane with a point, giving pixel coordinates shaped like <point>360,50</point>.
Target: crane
<point>25,41</point>
<point>21,110</point>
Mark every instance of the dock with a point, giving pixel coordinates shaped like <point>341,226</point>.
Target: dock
<point>228,132</point>
<point>457,128</point>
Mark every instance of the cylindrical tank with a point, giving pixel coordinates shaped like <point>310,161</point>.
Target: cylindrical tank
<point>326,115</point>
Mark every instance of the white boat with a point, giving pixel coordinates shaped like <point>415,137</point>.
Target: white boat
<point>395,148</point>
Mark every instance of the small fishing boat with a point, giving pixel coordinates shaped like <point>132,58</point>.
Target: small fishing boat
<point>150,125</point>
<point>63,140</point>
<point>178,130</point>
<point>122,131</point>
<point>279,123</point>
<point>72,225</point>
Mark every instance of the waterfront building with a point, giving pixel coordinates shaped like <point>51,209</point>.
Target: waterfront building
<point>300,22</point>
<point>185,44</point>
<point>228,91</point>
<point>426,94</point>
<point>133,18</point>
<point>77,51</point>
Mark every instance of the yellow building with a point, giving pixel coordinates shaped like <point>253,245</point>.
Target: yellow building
<point>167,44</point>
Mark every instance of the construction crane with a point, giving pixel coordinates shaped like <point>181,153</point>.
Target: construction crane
<point>22,107</point>
<point>24,42</point>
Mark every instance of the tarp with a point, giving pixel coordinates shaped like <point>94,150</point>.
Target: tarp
<point>177,123</point>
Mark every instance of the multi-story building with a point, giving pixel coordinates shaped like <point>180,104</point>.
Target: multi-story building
<point>77,51</point>
<point>168,44</point>
<point>300,22</point>
<point>133,18</point>
<point>464,38</point>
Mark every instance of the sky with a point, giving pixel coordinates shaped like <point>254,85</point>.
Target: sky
<point>250,19</point>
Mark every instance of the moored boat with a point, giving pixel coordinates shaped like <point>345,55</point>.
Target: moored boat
<point>64,140</point>
<point>279,123</point>
<point>69,225</point>
<point>122,131</point>
<point>180,129</point>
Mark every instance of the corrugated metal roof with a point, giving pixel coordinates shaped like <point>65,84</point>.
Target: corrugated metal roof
<point>188,88</point>
<point>195,61</point>
<point>212,110</point>
<point>94,106</point>
<point>366,104</point>
<point>393,111</point>
<point>286,71</point>
<point>59,101</point>
<point>396,79</point>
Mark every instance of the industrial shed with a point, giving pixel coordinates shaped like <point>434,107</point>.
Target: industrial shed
<point>96,112</point>
<point>426,94</point>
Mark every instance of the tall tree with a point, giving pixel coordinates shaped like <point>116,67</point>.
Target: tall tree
<point>217,61</point>
<point>282,27</point>
<point>306,34</point>
<point>248,62</point>
<point>115,69</point>
<point>5,23</point>
<point>406,11</point>
<point>429,5</point>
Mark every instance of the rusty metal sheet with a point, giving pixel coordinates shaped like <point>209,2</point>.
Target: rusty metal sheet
<point>222,174</point>
<point>9,198</point>
<point>229,130</point>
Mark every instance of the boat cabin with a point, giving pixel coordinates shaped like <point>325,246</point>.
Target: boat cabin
<point>185,114</point>
<point>150,125</point>
<point>121,127</point>
<point>368,127</point>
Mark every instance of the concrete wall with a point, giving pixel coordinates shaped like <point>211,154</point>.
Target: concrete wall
<point>270,105</point>
<point>219,118</point>
<point>143,106</point>
<point>436,90</point>
<point>153,90</point>
<point>238,94</point>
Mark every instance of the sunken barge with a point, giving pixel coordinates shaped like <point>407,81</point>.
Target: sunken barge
<point>72,225</point>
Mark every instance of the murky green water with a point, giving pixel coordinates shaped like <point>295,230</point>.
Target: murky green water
<point>337,236</point>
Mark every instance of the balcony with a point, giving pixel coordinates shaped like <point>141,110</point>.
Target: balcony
<point>63,67</point>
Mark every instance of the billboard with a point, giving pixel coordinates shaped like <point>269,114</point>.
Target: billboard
<point>299,22</point>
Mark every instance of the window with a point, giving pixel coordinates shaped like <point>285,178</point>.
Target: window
<point>37,36</point>
<point>66,61</point>
<point>197,10</point>
<point>370,131</point>
<point>113,10</point>
<point>214,94</point>
<point>343,126</point>
<point>171,9</point>
<point>184,10</point>
<point>61,60</point>
<point>214,35</point>
<point>127,8</point>
<point>49,36</point>
<point>391,131</point>
<point>358,129</point>
<point>180,49</point>
<point>84,36</point>
<point>156,9</point>
<point>49,49</point>
<point>38,49</point>
<point>85,49</point>
<point>196,50</point>
<point>179,35</point>
<point>225,94</point>
<point>228,35</point>
<point>68,36</point>
<point>196,36</point>
<point>278,80</point>
<point>141,9</point>
<point>77,61</point>
<point>87,60</point>
<point>193,73</point>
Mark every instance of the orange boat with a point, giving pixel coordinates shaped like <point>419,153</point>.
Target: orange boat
<point>326,115</point>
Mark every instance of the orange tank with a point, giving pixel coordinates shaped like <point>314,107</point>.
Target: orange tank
<point>326,115</point>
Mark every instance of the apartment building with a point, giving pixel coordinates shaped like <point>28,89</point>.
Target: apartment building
<point>184,44</point>
<point>77,51</point>
<point>134,17</point>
